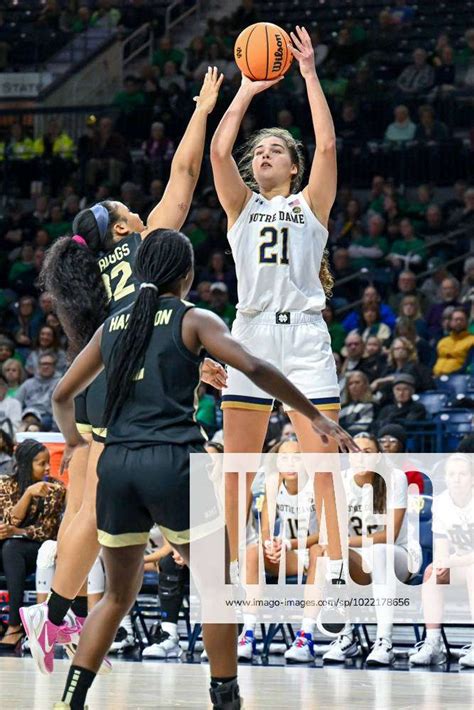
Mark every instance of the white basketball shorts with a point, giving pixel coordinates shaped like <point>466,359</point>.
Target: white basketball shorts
<point>299,345</point>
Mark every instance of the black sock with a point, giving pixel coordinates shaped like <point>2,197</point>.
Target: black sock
<point>58,607</point>
<point>79,606</point>
<point>78,682</point>
<point>216,682</point>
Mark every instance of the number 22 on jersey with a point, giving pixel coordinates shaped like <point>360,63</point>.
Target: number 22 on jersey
<point>123,272</point>
<point>274,247</point>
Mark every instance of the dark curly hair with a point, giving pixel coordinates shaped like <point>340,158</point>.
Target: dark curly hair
<point>163,258</point>
<point>71,274</point>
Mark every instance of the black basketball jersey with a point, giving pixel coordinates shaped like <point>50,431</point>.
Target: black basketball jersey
<point>163,399</point>
<point>116,268</point>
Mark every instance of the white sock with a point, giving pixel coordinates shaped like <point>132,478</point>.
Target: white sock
<point>169,628</point>
<point>308,626</point>
<point>433,635</point>
<point>249,622</point>
<point>126,623</point>
<point>337,569</point>
<point>384,631</point>
<point>234,572</point>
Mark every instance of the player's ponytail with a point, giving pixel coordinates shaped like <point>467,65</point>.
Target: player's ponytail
<point>71,274</point>
<point>325,276</point>
<point>163,258</point>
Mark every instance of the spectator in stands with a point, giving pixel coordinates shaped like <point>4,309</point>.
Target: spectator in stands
<point>346,222</point>
<point>46,343</point>
<point>449,292</point>
<point>353,351</point>
<point>463,218</point>
<point>431,286</point>
<point>7,349</point>
<point>21,266</point>
<point>105,14</point>
<point>402,129</point>
<point>37,391</point>
<point>368,250</point>
<point>350,128</point>
<point>467,285</point>
<point>408,251</point>
<point>370,295</point>
<point>456,201</point>
<point>10,410</point>
<point>445,74</point>
<point>454,351</point>
<point>195,54</point>
<point>392,438</point>
<point>434,223</point>
<point>336,330</point>
<point>406,286</point>
<point>204,295</point>
<point>220,303</point>
<point>404,409</point>
<point>375,360</point>
<point>106,154</point>
<point>333,84</point>
<point>219,270</point>
<point>429,128</point>
<point>244,16</point>
<point>56,150</point>
<point>418,77</point>
<point>131,98</point>
<point>402,359</point>
<point>57,225</point>
<point>32,506</point>
<point>401,13</point>
<point>410,308</point>
<point>357,411</point>
<point>46,305</point>
<point>371,324</point>
<point>465,55</point>
<point>215,57</point>
<point>166,52</point>
<point>14,374</point>
<point>30,420</point>
<point>159,150</point>
<point>286,121</point>
<point>25,324</point>
<point>6,454</point>
<point>83,19</point>
<point>171,76</point>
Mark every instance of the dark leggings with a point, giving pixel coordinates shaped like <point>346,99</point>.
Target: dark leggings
<point>18,561</point>
<point>171,588</point>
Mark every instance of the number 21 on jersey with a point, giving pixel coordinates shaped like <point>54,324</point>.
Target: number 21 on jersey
<point>274,247</point>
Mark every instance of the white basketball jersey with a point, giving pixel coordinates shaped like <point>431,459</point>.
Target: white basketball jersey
<point>278,247</point>
<point>456,523</point>
<point>360,505</point>
<point>296,511</point>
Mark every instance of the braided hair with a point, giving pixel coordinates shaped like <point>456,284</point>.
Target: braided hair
<point>71,274</point>
<point>163,258</point>
<point>25,453</point>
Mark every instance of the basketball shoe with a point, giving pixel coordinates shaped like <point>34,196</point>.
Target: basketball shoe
<point>302,649</point>
<point>344,647</point>
<point>428,652</point>
<point>42,635</point>
<point>381,654</point>
<point>165,646</point>
<point>246,646</point>
<point>467,659</point>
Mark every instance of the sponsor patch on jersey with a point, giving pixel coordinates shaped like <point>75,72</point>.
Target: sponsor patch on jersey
<point>297,210</point>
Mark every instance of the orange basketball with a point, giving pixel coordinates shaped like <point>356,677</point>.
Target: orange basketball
<point>261,51</point>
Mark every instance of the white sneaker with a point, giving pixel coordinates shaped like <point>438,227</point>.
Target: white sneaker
<point>382,653</point>
<point>246,646</point>
<point>301,650</point>
<point>467,659</point>
<point>167,647</point>
<point>343,647</point>
<point>123,640</point>
<point>428,653</point>
<point>204,656</point>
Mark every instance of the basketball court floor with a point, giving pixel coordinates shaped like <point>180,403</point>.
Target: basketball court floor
<point>166,684</point>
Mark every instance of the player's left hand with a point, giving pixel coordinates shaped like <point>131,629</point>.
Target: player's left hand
<point>69,450</point>
<point>327,429</point>
<point>178,559</point>
<point>210,90</point>
<point>303,51</point>
<point>212,373</point>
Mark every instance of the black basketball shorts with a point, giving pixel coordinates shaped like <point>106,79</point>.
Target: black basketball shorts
<point>139,487</point>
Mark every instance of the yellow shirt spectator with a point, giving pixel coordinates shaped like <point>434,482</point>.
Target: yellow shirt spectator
<point>63,146</point>
<point>453,350</point>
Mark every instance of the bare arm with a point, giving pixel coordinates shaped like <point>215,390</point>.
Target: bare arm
<point>202,328</point>
<point>320,192</point>
<point>85,368</point>
<point>173,208</point>
<point>231,190</point>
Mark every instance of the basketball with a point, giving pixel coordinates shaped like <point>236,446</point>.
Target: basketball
<point>261,51</point>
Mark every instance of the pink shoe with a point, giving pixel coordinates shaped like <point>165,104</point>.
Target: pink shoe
<point>70,633</point>
<point>42,635</point>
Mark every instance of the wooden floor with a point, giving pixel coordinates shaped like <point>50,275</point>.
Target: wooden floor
<point>173,685</point>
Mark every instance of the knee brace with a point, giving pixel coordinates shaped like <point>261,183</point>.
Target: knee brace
<point>172,578</point>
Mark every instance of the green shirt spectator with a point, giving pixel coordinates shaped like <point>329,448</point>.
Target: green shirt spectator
<point>167,53</point>
<point>367,250</point>
<point>131,97</point>
<point>411,248</point>
<point>220,303</point>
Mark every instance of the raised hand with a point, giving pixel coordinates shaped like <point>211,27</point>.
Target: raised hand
<point>303,51</point>
<point>255,87</point>
<point>210,90</point>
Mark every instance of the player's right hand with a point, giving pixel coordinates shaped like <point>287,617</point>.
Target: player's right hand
<point>326,429</point>
<point>255,87</point>
<point>69,450</point>
<point>210,90</point>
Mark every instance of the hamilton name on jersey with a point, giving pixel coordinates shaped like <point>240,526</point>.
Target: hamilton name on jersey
<point>120,321</point>
<point>297,216</point>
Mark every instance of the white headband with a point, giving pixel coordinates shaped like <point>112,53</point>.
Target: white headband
<point>148,285</point>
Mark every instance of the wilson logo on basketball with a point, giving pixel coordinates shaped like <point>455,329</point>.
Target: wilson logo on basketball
<point>238,52</point>
<point>278,53</point>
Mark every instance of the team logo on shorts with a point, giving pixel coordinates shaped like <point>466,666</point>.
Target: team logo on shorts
<point>283,318</point>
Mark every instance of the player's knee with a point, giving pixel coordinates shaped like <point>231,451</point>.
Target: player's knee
<point>315,551</point>
<point>46,554</point>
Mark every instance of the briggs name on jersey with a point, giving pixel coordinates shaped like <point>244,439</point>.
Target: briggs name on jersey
<point>280,216</point>
<point>118,254</point>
